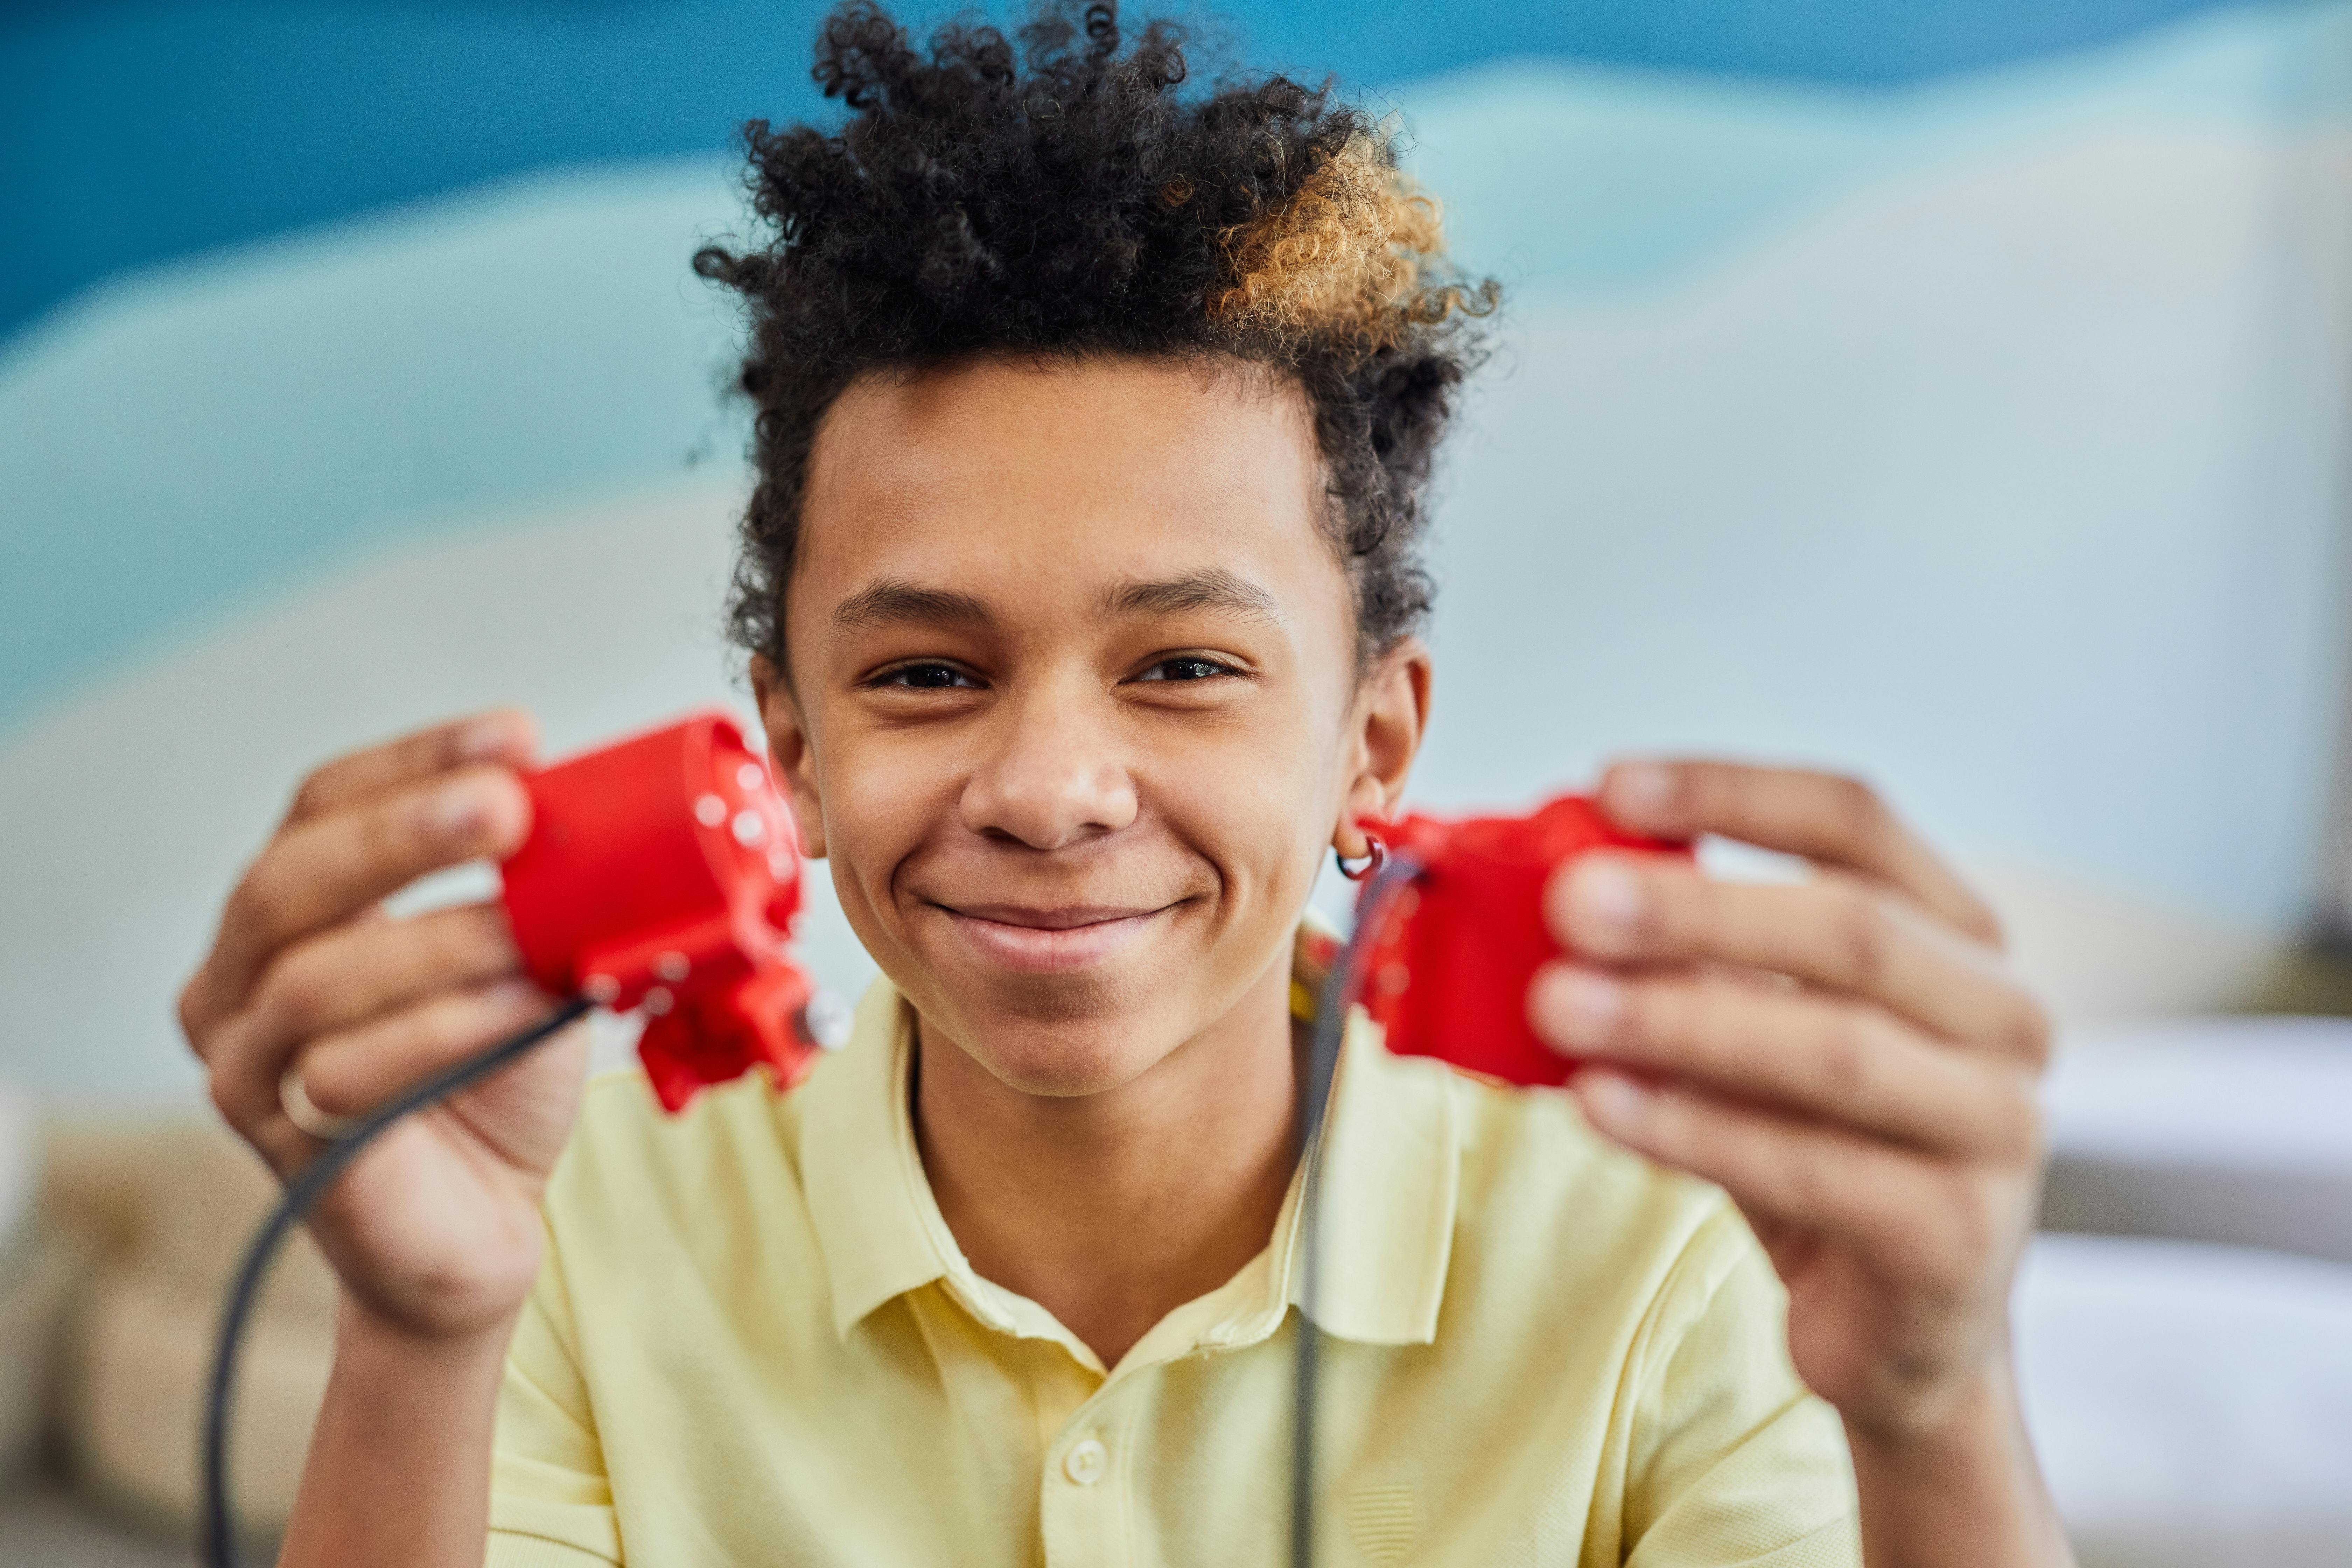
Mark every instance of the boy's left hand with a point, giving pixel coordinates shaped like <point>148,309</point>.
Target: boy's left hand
<point>1849,1058</point>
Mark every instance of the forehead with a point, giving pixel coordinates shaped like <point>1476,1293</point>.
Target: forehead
<point>1054,479</point>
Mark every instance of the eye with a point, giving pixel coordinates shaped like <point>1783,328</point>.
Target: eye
<point>929,676</point>
<point>1188,667</point>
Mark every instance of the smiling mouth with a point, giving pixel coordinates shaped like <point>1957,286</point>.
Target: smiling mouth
<point>1035,941</point>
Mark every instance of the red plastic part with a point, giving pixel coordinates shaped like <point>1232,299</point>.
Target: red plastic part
<point>1448,974</point>
<point>663,873</point>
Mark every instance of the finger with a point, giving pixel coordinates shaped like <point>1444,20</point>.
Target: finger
<point>356,1070</point>
<point>1827,1058</point>
<point>350,973</point>
<point>1835,932</point>
<point>322,870</point>
<point>1824,817</point>
<point>504,735</point>
<point>1922,1219</point>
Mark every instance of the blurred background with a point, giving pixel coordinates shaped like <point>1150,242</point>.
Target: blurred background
<point>1949,391</point>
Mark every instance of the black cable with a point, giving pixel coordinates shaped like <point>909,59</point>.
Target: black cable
<point>1340,988</point>
<point>302,1194</point>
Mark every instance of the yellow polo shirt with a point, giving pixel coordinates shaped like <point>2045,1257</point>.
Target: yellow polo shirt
<point>755,1342</point>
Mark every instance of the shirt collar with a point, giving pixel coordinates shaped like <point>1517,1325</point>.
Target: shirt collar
<point>1388,1196</point>
<point>876,1222</point>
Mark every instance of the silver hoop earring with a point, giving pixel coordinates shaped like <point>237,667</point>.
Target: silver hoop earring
<point>1376,855</point>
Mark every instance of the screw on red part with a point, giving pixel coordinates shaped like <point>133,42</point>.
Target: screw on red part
<point>661,873</point>
<point>1447,975</point>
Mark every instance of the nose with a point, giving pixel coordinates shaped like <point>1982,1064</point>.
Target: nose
<point>1053,775</point>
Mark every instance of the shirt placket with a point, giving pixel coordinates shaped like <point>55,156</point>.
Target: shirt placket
<point>1087,1487</point>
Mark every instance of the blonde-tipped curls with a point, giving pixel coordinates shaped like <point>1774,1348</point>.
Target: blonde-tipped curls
<point>1355,251</point>
<point>1054,193</point>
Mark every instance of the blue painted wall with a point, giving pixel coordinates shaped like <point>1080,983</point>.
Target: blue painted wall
<point>130,133</point>
<point>1982,432</point>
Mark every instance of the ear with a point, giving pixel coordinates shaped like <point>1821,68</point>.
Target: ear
<point>1389,717</point>
<point>788,744</point>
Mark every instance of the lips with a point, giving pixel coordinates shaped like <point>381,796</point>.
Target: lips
<point>1055,941</point>
<point>1066,916</point>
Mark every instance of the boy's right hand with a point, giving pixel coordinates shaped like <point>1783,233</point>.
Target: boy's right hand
<point>434,1230</point>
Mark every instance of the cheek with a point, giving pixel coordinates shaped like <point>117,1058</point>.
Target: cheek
<point>881,805</point>
<point>1262,813</point>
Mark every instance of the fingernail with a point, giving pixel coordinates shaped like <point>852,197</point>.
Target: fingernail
<point>1606,902</point>
<point>1614,1102</point>
<point>456,811</point>
<point>1589,1005</point>
<point>485,737</point>
<point>1646,789</point>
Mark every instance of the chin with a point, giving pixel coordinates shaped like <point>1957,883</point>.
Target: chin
<point>1045,1071</point>
<point>1063,1036</point>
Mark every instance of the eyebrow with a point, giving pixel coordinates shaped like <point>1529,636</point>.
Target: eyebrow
<point>1214,589</point>
<point>893,601</point>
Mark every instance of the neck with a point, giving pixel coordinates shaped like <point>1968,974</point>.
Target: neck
<point>1109,1210</point>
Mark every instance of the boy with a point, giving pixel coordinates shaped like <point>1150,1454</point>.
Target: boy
<point>1080,589</point>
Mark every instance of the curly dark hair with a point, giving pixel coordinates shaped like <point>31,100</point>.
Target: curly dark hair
<point>1062,199</point>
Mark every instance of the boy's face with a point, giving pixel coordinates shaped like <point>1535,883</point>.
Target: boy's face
<point>1073,705</point>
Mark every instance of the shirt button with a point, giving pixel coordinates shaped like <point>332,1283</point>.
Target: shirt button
<point>1085,1461</point>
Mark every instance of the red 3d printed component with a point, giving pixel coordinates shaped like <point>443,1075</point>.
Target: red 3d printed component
<point>663,873</point>
<point>1447,975</point>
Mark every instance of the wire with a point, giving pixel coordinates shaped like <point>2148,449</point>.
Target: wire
<point>302,1194</point>
<point>1340,988</point>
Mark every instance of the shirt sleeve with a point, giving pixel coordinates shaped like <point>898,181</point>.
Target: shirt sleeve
<point>1733,1461</point>
<point>550,1501</point>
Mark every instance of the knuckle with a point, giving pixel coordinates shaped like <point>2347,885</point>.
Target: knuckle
<point>1658,1016</point>
<point>185,1008</point>
<point>433,751</point>
<point>2016,1119</point>
<point>297,992</point>
<point>1701,789</point>
<point>447,1023</point>
<point>446,1026</point>
<point>1706,1013</point>
<point>446,940</point>
<point>1983,924</point>
<point>1812,1184</point>
<point>312,793</point>
<point>1863,935</point>
<point>1675,1128</point>
<point>1713,1028</point>
<point>253,904</point>
<point>1856,808</point>
<point>1849,1056</point>
<point>222,1090</point>
<point>1682,911</point>
<point>302,988</point>
<point>1883,1207</point>
<point>388,833</point>
<point>1961,1228</point>
<point>1976,1224</point>
<point>471,942</point>
<point>2029,1030</point>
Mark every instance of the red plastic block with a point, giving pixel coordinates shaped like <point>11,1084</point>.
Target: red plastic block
<point>663,873</point>
<point>1447,975</point>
